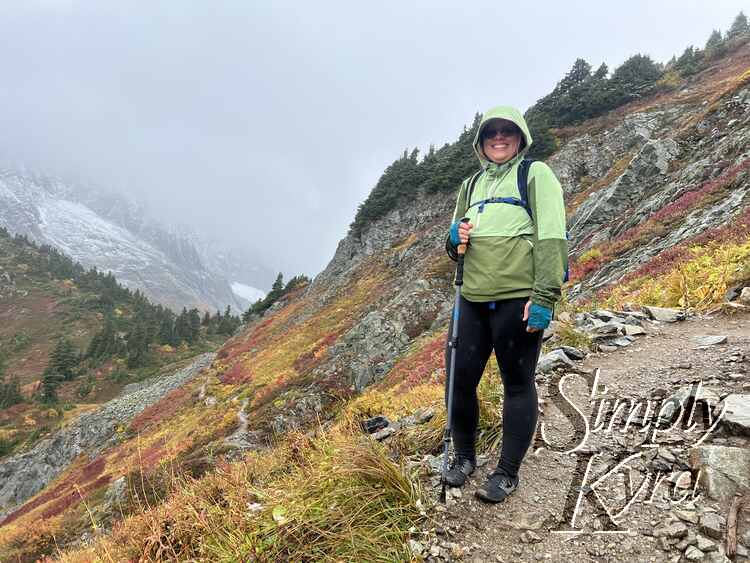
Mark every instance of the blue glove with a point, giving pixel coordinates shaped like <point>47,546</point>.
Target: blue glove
<point>455,241</point>
<point>539,316</point>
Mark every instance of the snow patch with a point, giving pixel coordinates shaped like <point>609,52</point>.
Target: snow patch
<point>250,293</point>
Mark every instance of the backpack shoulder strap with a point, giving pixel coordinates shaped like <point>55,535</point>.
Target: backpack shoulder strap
<point>472,183</point>
<point>523,183</point>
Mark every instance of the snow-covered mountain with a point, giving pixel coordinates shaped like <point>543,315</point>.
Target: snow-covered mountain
<point>98,228</point>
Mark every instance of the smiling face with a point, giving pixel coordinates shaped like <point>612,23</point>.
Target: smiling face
<point>501,140</point>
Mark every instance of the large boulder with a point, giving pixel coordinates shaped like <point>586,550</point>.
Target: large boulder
<point>737,414</point>
<point>723,470</point>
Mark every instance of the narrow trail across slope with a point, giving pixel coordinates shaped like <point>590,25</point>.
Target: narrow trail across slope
<point>539,520</point>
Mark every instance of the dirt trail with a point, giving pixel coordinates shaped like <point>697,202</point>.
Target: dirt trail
<point>528,525</point>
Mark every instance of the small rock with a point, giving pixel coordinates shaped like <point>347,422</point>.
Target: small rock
<point>530,537</point>
<point>372,425</point>
<point>416,547</point>
<point>705,544</point>
<point>424,415</point>
<point>686,515</point>
<point>383,434</point>
<point>664,315</point>
<point>633,330</point>
<point>606,348</point>
<point>745,296</point>
<point>692,553</point>
<point>684,365</point>
<point>709,340</point>
<point>552,360</point>
<point>737,414</point>
<point>712,525</point>
<point>525,521</point>
<point>435,550</point>
<point>573,353</point>
<point>673,530</point>
<point>604,315</point>
<point>688,540</point>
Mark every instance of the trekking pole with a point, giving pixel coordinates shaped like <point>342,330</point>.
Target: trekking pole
<point>453,343</point>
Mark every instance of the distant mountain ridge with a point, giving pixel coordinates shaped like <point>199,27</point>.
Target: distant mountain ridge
<point>102,229</point>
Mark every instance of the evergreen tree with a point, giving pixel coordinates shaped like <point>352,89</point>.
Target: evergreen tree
<point>194,325</point>
<point>740,28</point>
<point>277,289</point>
<point>50,382</point>
<point>10,391</point>
<point>104,343</point>
<point>715,46</point>
<point>687,64</point>
<point>182,326</point>
<point>206,319</point>
<point>63,359</point>
<point>167,330</point>
<point>633,79</point>
<point>228,323</point>
<point>138,346</point>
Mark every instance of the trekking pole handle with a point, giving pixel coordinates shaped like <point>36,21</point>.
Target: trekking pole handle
<point>461,251</point>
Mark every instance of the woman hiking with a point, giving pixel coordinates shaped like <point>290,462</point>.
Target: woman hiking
<point>515,263</point>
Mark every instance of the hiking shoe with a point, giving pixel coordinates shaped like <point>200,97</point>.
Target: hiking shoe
<point>498,486</point>
<point>458,471</point>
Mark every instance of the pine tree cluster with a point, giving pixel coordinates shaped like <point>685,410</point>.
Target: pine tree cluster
<point>10,390</point>
<point>278,290</point>
<point>132,324</point>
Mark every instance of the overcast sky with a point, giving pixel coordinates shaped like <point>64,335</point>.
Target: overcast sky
<point>265,122</point>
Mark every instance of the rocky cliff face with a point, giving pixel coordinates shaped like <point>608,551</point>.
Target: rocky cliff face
<point>659,161</point>
<point>111,233</point>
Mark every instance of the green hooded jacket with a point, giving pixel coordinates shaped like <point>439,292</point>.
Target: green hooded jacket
<point>509,255</point>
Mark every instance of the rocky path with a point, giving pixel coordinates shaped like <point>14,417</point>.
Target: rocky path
<point>648,509</point>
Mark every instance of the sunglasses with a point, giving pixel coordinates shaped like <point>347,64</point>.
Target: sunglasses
<point>504,130</point>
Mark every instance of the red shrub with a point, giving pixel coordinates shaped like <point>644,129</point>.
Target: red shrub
<point>418,367</point>
<point>737,230</point>
<point>79,477</point>
<point>659,221</point>
<point>236,374</point>
<point>73,497</point>
<point>307,361</point>
<point>165,408</point>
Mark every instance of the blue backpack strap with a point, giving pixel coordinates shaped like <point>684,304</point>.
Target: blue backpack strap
<point>472,183</point>
<point>523,184</point>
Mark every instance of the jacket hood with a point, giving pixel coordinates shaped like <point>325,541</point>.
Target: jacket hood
<point>511,114</point>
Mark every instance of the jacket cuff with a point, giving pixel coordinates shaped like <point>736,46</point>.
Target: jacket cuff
<point>450,249</point>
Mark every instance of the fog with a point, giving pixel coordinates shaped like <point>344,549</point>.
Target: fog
<point>265,124</point>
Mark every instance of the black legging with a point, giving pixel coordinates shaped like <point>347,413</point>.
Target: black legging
<point>480,330</point>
